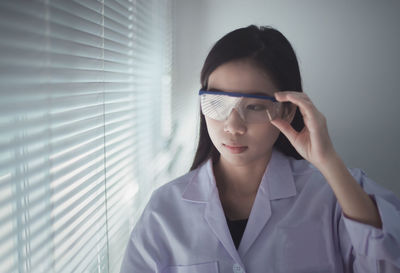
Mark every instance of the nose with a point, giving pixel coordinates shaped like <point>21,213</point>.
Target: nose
<point>234,124</point>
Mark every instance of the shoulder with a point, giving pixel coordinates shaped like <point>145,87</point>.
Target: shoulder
<point>164,209</point>
<point>303,168</point>
<point>307,175</point>
<point>176,186</point>
<point>169,196</point>
<point>309,180</point>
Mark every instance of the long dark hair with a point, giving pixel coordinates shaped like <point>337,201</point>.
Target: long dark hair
<point>269,50</point>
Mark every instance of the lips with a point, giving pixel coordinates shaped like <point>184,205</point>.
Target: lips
<point>234,145</point>
<point>234,148</point>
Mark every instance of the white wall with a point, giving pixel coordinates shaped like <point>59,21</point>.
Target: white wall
<point>349,60</point>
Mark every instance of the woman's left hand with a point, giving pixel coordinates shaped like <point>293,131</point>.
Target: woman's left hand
<point>312,142</point>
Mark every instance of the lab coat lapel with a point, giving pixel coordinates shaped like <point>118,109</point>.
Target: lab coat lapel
<point>215,218</point>
<point>259,216</point>
<point>277,183</point>
<point>202,188</point>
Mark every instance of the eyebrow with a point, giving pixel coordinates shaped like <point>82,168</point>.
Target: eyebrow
<point>258,93</point>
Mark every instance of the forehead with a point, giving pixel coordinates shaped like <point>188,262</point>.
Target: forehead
<point>241,76</point>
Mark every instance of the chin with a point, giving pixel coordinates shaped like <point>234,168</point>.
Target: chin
<point>244,158</point>
<point>238,160</point>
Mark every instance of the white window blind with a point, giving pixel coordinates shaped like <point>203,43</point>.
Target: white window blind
<point>84,128</point>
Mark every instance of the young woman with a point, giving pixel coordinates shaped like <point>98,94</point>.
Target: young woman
<point>266,192</point>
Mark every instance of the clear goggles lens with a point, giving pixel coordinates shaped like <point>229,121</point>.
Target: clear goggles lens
<point>251,108</point>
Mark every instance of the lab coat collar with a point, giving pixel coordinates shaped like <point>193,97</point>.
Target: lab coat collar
<point>278,179</point>
<point>277,182</point>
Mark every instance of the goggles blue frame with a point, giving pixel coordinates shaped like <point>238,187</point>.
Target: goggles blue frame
<point>231,94</point>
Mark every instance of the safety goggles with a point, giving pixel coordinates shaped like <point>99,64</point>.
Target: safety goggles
<point>252,108</point>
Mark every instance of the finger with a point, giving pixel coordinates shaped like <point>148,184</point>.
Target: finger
<point>287,95</point>
<point>295,93</point>
<point>304,103</point>
<point>286,129</point>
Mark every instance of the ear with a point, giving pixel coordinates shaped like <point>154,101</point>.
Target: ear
<point>289,111</point>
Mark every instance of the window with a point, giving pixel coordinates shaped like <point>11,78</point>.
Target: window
<point>84,126</point>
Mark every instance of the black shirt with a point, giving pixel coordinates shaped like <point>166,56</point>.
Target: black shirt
<point>236,227</point>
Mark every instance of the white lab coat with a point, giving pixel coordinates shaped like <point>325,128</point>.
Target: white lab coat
<point>295,225</point>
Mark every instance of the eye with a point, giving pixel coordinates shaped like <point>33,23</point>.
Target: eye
<point>256,107</point>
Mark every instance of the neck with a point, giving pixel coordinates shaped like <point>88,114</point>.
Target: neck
<point>239,180</point>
